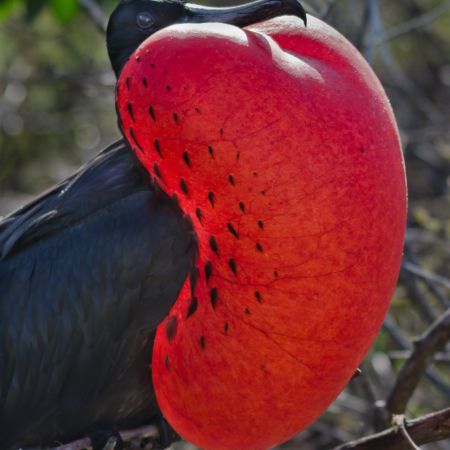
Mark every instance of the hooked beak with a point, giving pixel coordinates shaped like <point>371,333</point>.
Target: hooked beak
<point>246,14</point>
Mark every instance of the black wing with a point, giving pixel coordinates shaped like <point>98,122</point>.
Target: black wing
<point>87,271</point>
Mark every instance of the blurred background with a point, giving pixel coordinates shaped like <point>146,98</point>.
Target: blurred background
<point>57,111</point>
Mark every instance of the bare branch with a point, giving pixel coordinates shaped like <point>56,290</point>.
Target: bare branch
<point>431,428</point>
<point>417,22</point>
<point>420,236</point>
<point>431,342</point>
<point>415,292</point>
<point>430,280</point>
<point>326,11</point>
<point>399,423</point>
<point>418,271</point>
<point>372,22</point>
<point>76,445</point>
<point>420,101</point>
<point>94,11</point>
<point>150,431</point>
<point>405,354</point>
<point>391,328</point>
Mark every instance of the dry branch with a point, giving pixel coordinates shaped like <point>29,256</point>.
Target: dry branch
<point>413,24</point>
<point>400,79</point>
<point>431,342</point>
<point>419,272</point>
<point>431,428</point>
<point>430,373</point>
<point>94,11</point>
<point>137,434</point>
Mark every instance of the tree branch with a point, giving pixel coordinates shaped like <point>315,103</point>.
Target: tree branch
<point>399,424</point>
<point>94,11</point>
<point>417,22</point>
<point>430,428</point>
<point>418,99</point>
<point>138,434</point>
<point>431,374</point>
<point>432,341</point>
<point>419,272</point>
<point>326,11</point>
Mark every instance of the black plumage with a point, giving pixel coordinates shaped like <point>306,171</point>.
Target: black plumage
<point>87,271</point>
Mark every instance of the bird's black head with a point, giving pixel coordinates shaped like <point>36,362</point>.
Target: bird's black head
<point>133,21</point>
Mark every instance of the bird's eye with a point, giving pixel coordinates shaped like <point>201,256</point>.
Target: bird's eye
<point>144,20</point>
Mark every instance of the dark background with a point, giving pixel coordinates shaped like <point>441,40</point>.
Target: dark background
<point>57,111</point>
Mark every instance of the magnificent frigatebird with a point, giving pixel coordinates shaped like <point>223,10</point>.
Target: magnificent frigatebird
<point>89,269</point>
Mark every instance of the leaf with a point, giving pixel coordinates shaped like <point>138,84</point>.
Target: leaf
<point>64,10</point>
<point>33,8</point>
<point>6,7</point>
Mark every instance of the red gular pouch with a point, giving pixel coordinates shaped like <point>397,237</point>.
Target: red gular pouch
<point>280,144</point>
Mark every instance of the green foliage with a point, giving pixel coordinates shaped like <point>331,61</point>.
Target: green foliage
<point>6,6</point>
<point>56,93</point>
<point>63,11</point>
<point>33,8</point>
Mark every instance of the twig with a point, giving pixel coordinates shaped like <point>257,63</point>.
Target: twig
<point>417,22</point>
<point>431,428</point>
<point>434,290</point>
<point>392,329</point>
<point>415,293</point>
<point>431,342</point>
<point>326,11</point>
<point>150,431</point>
<point>399,423</point>
<point>420,236</point>
<point>111,444</point>
<point>76,445</point>
<point>362,28</point>
<point>402,82</point>
<point>312,7</point>
<point>94,11</point>
<point>334,434</point>
<point>416,270</point>
<point>372,21</point>
<point>405,354</point>
<point>429,279</point>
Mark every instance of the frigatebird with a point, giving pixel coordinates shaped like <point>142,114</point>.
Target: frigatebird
<point>91,267</point>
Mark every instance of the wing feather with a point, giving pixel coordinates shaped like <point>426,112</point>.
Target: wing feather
<point>86,273</point>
